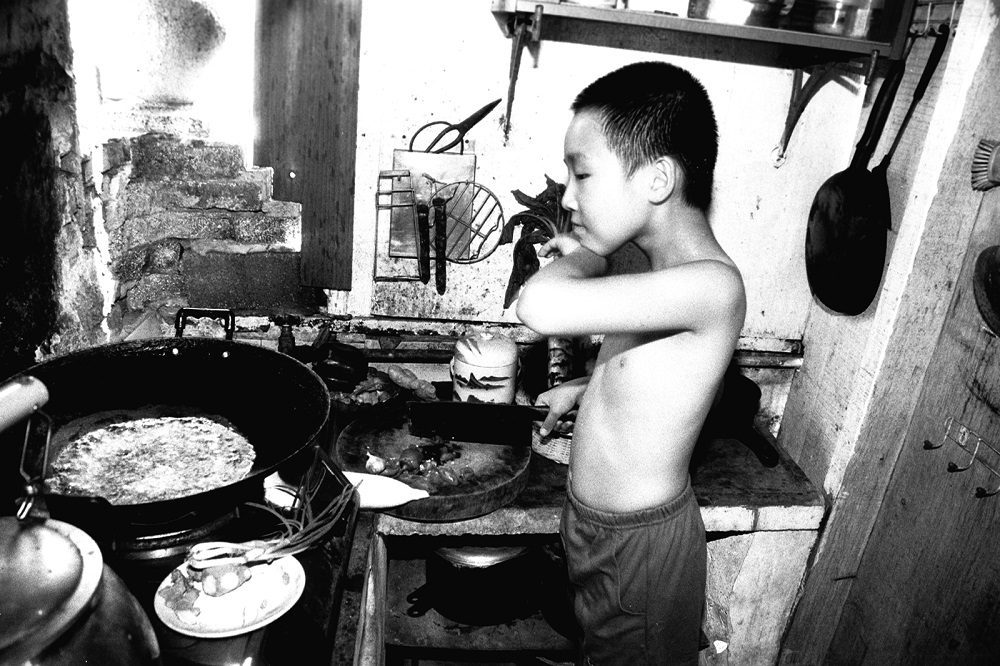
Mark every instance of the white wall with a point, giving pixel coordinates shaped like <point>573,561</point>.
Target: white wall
<point>442,59</point>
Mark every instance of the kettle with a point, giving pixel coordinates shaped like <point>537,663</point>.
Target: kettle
<point>59,602</point>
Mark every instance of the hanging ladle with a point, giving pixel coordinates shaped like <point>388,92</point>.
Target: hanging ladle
<point>851,214</point>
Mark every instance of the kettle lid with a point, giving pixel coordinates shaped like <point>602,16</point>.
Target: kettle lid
<point>49,575</point>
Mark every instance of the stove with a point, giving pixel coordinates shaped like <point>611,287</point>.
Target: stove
<point>143,556</point>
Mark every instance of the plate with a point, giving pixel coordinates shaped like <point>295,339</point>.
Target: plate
<point>270,593</point>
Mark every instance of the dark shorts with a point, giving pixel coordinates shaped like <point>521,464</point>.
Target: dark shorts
<point>638,580</point>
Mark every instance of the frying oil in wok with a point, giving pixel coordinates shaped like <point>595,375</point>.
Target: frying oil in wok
<point>145,455</point>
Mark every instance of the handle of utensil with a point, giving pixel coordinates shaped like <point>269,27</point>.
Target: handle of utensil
<point>918,91</point>
<point>879,114</point>
<point>227,318</point>
<point>932,62</point>
<point>424,242</point>
<point>19,398</point>
<point>440,245</point>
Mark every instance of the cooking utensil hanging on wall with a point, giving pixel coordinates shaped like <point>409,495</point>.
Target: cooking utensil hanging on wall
<point>848,219</point>
<point>986,287</point>
<point>440,245</point>
<point>455,132</point>
<point>881,170</point>
<point>424,242</point>
<point>475,221</point>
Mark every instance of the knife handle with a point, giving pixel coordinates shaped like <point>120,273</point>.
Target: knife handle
<point>424,242</point>
<point>440,244</point>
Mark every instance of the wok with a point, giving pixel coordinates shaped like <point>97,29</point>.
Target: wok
<point>277,403</point>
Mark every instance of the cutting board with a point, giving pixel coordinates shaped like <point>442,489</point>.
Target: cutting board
<point>501,472</point>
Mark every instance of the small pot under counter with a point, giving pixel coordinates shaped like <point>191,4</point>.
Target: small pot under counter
<point>762,523</point>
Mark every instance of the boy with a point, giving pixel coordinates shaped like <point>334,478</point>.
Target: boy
<point>640,151</point>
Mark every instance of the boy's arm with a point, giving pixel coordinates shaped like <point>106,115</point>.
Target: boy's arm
<point>561,400</point>
<point>571,296</point>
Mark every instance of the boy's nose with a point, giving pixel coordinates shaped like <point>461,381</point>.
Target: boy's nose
<point>569,198</point>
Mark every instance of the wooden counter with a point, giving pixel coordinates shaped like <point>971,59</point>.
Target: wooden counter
<point>762,524</point>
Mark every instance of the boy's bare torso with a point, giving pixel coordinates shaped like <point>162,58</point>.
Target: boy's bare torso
<point>641,415</point>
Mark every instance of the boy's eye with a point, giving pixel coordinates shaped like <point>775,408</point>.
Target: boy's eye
<point>581,176</point>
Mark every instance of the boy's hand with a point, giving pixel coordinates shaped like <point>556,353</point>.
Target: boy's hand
<point>560,400</point>
<point>559,246</point>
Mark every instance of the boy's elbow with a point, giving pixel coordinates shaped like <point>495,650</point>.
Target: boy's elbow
<point>532,312</point>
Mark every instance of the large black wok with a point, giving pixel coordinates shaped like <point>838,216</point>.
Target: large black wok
<point>279,404</point>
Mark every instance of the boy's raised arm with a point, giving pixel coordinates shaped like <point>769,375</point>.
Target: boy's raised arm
<point>571,296</point>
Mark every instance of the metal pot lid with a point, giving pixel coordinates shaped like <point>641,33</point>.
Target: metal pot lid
<point>480,557</point>
<point>49,573</point>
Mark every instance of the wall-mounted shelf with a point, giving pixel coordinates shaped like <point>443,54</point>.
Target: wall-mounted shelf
<point>891,47</point>
<point>823,57</point>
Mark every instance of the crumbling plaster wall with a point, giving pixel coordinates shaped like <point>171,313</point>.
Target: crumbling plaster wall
<point>52,271</point>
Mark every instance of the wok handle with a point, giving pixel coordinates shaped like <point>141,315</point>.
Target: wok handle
<point>227,318</point>
<point>879,114</point>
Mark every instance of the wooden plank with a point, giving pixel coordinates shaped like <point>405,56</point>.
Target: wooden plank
<point>764,594</point>
<point>931,527</point>
<point>306,106</point>
<point>911,340</point>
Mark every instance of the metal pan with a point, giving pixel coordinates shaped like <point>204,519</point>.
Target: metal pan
<point>277,403</point>
<point>501,472</point>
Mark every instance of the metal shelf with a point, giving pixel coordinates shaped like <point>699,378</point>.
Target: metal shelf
<point>810,40</point>
<point>823,57</point>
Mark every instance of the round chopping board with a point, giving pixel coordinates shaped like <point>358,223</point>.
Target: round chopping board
<point>501,472</point>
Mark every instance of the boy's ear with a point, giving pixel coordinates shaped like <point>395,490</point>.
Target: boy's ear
<point>665,179</point>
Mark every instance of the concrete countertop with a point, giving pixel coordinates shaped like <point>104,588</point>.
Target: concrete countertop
<point>735,491</point>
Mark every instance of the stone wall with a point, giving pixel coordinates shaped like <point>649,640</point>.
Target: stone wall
<point>52,272</point>
<point>188,226</point>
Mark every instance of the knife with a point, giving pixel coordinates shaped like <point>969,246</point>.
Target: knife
<point>482,422</point>
<point>440,244</point>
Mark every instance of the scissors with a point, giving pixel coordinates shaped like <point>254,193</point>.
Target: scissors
<point>459,130</point>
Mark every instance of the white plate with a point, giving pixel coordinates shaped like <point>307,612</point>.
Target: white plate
<point>271,591</point>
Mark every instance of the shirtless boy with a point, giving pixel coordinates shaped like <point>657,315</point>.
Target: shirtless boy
<point>640,152</point>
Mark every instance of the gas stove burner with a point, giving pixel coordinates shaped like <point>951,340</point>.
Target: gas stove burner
<point>170,544</point>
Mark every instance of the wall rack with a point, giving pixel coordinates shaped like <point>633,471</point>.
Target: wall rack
<point>823,57</point>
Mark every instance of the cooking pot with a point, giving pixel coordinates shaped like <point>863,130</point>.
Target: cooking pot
<point>61,604</point>
<point>276,402</point>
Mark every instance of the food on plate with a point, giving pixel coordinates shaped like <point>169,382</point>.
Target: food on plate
<point>408,379</point>
<point>216,581</point>
<point>429,467</point>
<point>130,460</point>
<point>181,594</point>
<point>380,385</point>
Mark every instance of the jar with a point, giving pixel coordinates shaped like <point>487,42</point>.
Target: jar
<point>484,369</point>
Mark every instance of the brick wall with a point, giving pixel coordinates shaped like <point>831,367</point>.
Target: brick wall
<point>188,226</point>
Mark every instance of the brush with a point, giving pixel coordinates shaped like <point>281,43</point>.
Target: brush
<point>986,165</point>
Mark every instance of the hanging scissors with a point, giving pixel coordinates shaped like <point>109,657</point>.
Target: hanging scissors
<point>457,131</point>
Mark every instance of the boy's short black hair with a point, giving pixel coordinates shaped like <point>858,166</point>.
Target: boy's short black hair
<point>655,109</point>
